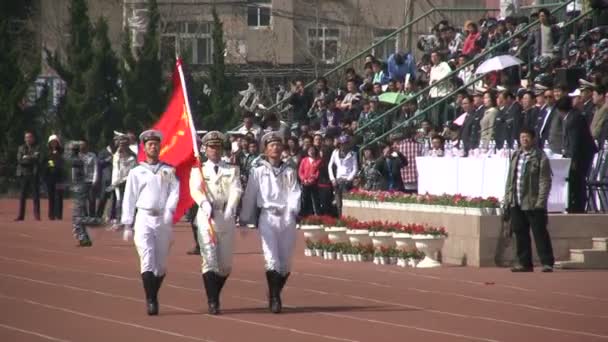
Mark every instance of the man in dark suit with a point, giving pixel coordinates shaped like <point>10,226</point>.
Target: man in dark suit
<point>546,125</point>
<point>469,134</point>
<point>28,167</point>
<point>580,147</point>
<point>389,165</point>
<point>509,119</point>
<point>529,110</point>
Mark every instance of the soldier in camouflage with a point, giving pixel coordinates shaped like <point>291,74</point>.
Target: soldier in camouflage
<point>80,197</point>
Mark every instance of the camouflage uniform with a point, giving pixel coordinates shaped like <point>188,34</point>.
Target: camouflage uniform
<point>370,176</point>
<point>80,195</point>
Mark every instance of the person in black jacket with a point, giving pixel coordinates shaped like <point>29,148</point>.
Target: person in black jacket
<point>389,165</point>
<point>469,134</point>
<point>28,168</point>
<point>509,120</point>
<point>578,145</point>
<point>54,176</point>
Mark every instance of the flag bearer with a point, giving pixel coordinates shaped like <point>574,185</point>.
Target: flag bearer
<point>216,188</point>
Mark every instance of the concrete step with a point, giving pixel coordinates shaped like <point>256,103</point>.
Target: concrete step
<point>600,243</point>
<point>569,265</point>
<point>591,258</point>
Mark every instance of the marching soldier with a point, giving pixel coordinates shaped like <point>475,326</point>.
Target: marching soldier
<point>80,194</point>
<point>273,187</point>
<point>218,199</point>
<point>153,189</point>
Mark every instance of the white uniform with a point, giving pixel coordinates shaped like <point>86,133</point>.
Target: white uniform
<point>154,191</point>
<point>223,193</point>
<point>276,191</point>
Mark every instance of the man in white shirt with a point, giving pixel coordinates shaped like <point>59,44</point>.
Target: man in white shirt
<point>153,190</point>
<point>345,161</point>
<point>216,188</point>
<point>273,187</point>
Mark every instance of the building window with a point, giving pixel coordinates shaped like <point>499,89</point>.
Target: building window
<point>190,39</point>
<point>390,46</point>
<point>323,44</point>
<point>259,13</point>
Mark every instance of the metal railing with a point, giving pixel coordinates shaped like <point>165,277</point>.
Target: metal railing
<point>394,34</point>
<point>449,76</point>
<point>423,112</point>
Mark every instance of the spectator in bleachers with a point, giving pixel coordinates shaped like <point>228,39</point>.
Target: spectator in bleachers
<point>379,75</point>
<point>600,118</point>
<point>546,36</point>
<point>437,145</point>
<point>410,149</point>
<point>249,126</point>
<point>488,132</point>
<point>529,110</point>
<point>471,127</point>
<point>579,146</point>
<point>389,166</point>
<point>509,120</point>
<point>469,47</point>
<point>399,65</point>
<point>301,102</point>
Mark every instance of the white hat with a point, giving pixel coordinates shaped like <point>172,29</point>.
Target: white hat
<point>54,137</point>
<point>575,93</point>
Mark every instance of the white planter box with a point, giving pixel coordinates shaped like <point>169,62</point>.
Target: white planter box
<point>429,245</point>
<point>337,234</point>
<point>313,233</point>
<point>382,239</point>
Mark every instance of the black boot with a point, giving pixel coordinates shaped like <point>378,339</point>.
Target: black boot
<point>149,281</point>
<point>210,280</point>
<point>221,281</point>
<point>284,281</point>
<point>274,280</point>
<point>158,282</point>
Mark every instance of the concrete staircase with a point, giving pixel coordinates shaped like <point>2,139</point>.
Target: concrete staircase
<point>594,258</point>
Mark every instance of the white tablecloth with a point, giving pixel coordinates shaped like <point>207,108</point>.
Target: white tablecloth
<point>483,177</point>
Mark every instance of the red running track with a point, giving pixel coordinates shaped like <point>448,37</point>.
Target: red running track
<point>51,290</point>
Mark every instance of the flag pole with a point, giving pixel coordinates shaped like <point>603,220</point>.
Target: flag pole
<point>194,145</point>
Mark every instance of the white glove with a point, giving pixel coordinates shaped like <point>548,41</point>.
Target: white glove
<point>168,217</point>
<point>228,214</point>
<point>127,233</point>
<point>206,209</point>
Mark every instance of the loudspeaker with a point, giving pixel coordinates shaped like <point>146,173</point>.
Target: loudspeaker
<point>569,77</point>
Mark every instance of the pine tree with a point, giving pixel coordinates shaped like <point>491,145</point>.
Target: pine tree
<point>222,111</point>
<point>18,69</point>
<point>75,107</point>
<point>142,77</point>
<point>102,88</point>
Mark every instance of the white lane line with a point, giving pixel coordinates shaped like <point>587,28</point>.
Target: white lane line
<point>100,318</point>
<point>264,325</point>
<point>33,333</point>
<point>238,297</point>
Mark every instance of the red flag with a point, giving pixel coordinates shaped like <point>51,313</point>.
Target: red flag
<point>177,146</point>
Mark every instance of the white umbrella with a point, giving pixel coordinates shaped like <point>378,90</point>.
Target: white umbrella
<point>498,63</point>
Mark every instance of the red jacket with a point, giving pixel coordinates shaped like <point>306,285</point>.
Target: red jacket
<point>309,171</point>
<point>468,47</point>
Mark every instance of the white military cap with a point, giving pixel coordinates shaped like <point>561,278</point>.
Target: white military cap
<point>150,134</point>
<point>272,136</point>
<point>584,84</point>
<point>214,138</point>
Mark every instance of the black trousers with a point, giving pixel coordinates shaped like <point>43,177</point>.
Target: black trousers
<point>92,200</point>
<point>326,196</point>
<point>577,187</point>
<point>55,200</point>
<point>103,201</point>
<point>521,222</point>
<point>29,184</point>
<point>310,200</point>
<point>340,189</point>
